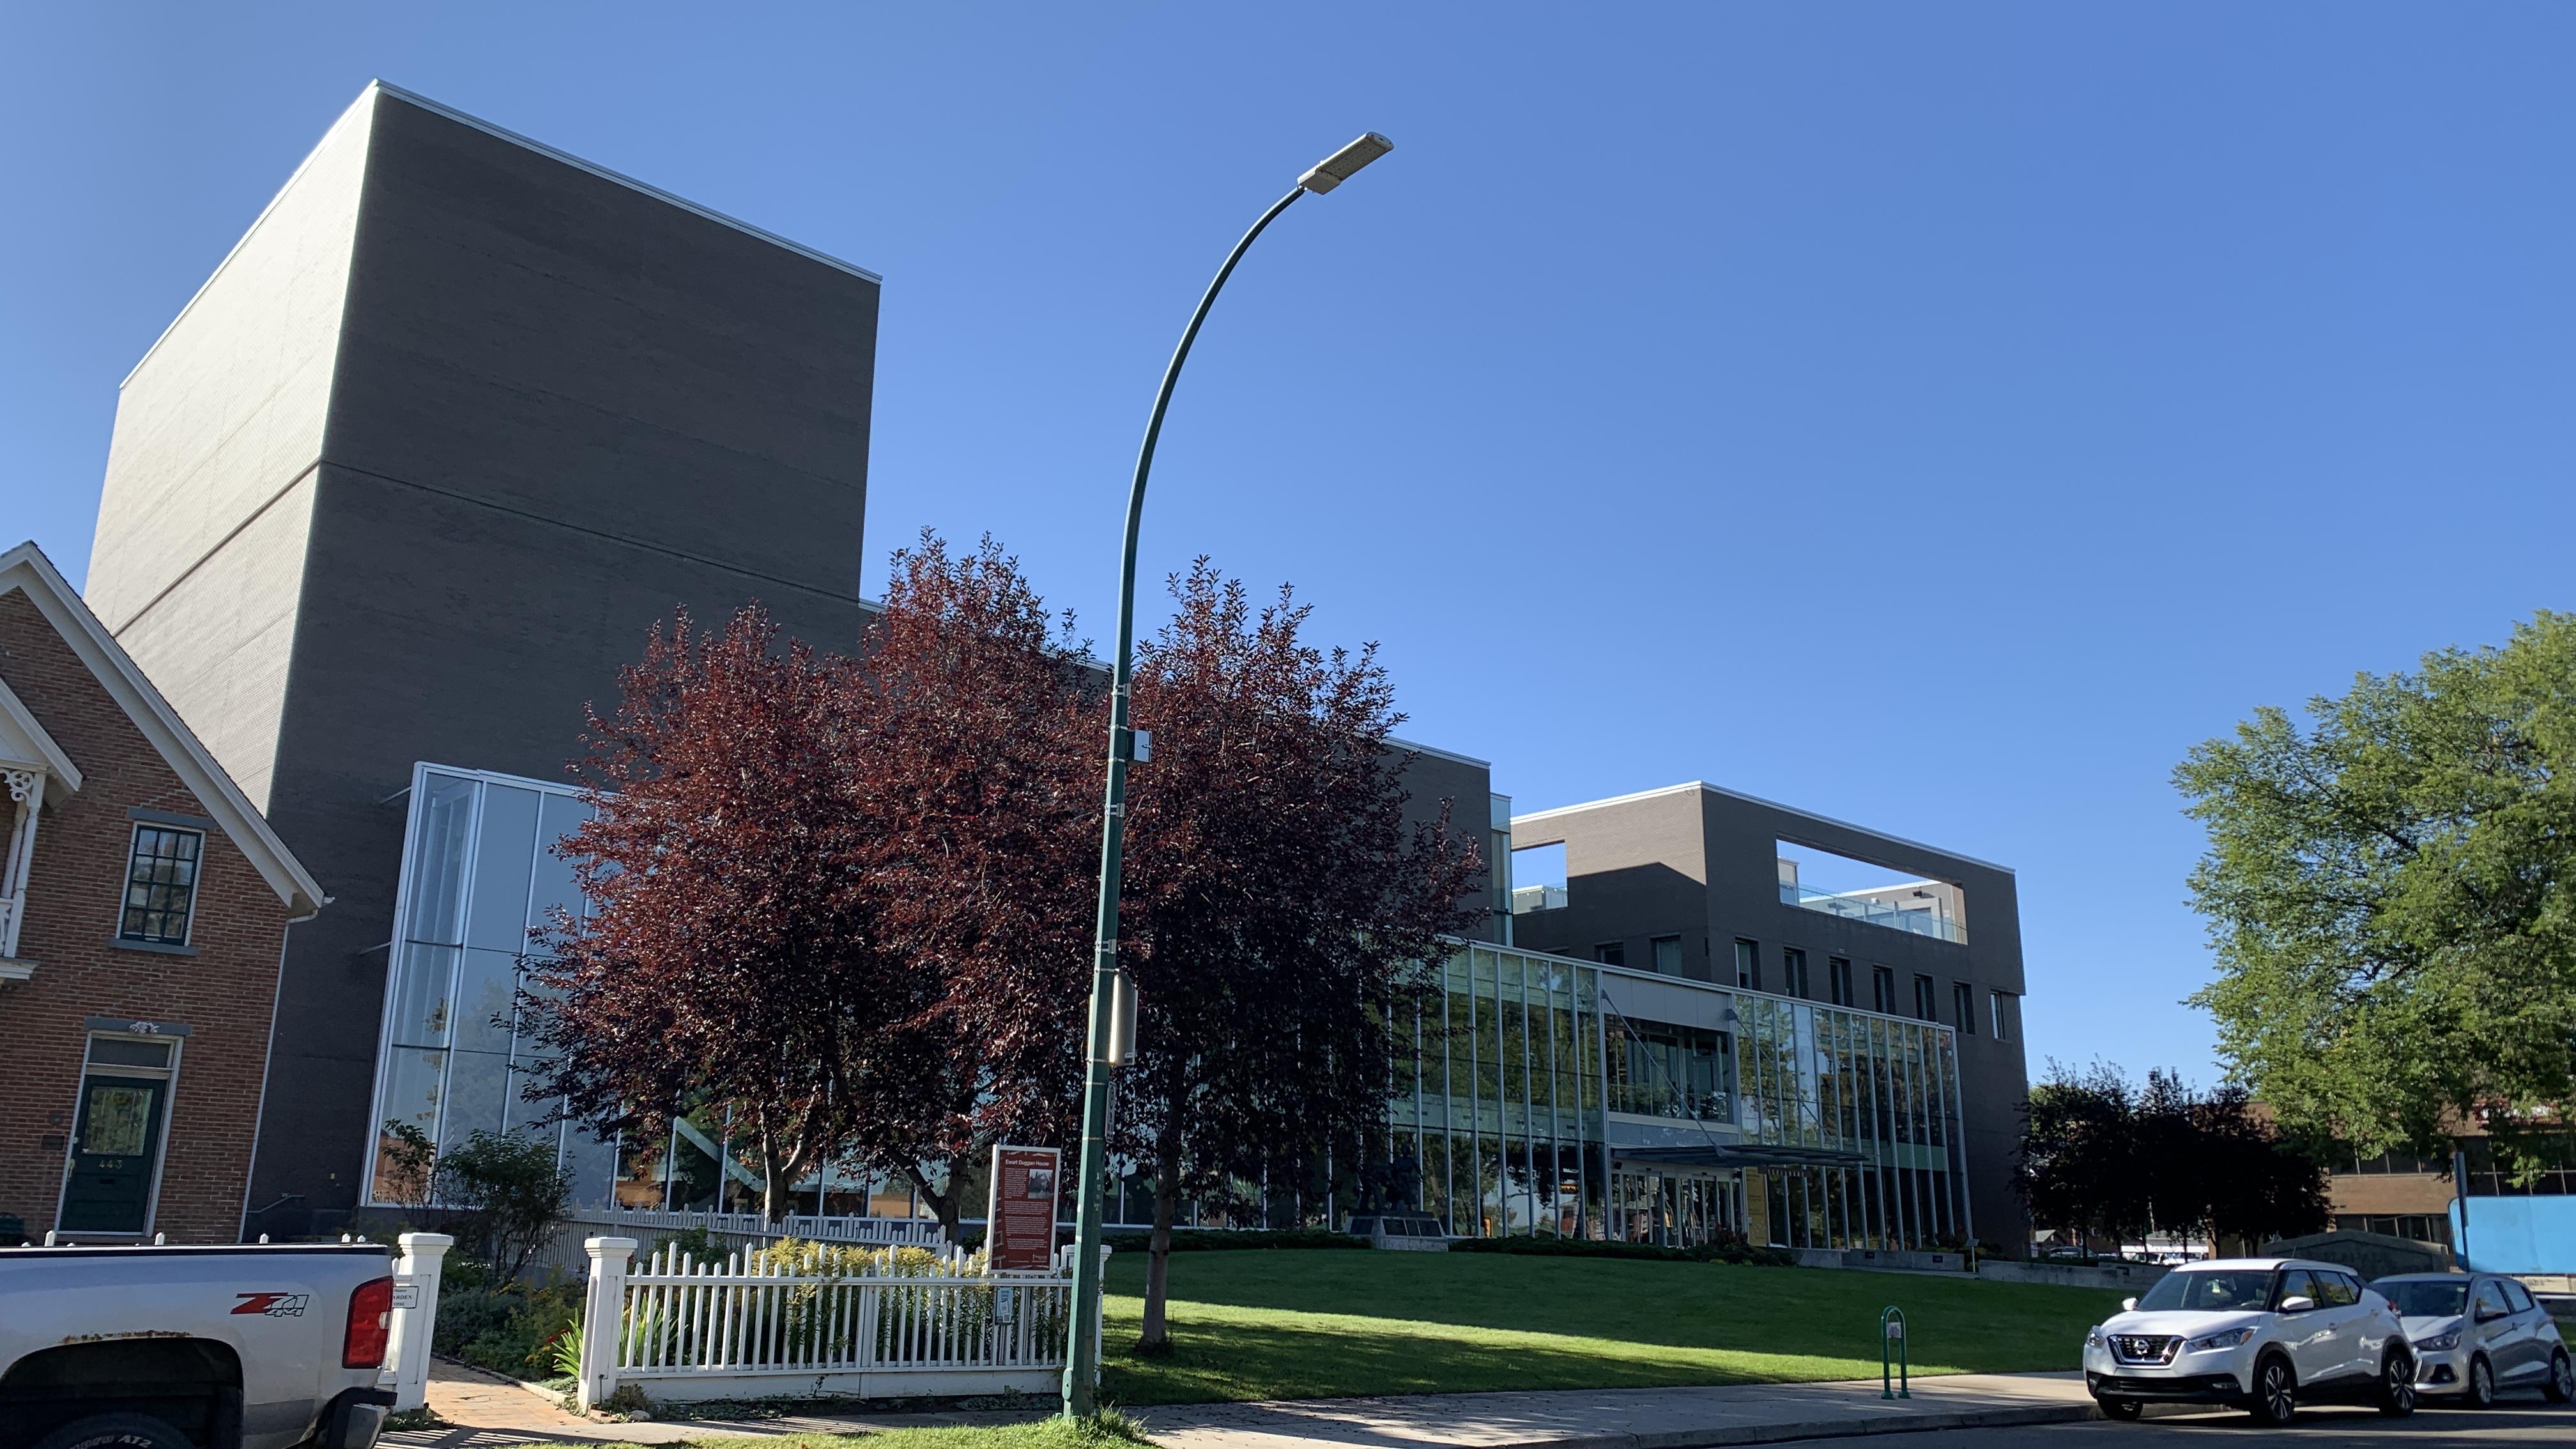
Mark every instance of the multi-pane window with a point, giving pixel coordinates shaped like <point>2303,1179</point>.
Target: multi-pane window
<point>1668,955</point>
<point>1882,989</point>
<point>1611,953</point>
<point>160,885</point>
<point>2001,1001</point>
<point>1926,1007</point>
<point>1748,964</point>
<point>1793,971</point>
<point>1838,980</point>
<point>1963,1007</point>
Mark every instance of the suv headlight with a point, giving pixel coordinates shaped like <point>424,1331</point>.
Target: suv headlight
<point>2439,1342</point>
<point>2093,1336</point>
<point>2226,1338</point>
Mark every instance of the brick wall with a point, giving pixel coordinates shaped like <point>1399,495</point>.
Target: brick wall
<point>224,992</point>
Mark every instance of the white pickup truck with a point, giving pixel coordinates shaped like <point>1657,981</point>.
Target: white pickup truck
<point>194,1348</point>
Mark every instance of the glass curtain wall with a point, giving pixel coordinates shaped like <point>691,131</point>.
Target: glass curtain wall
<point>1503,1111</point>
<point>478,878</point>
<point>1879,1087</point>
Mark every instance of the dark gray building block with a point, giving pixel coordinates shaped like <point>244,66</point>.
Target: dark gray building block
<point>455,423</point>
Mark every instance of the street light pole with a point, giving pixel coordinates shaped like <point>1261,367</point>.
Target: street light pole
<point>1082,1356</point>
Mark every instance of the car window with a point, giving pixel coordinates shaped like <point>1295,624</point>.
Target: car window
<point>2425,1298</point>
<point>2297,1283</point>
<point>2491,1300</point>
<point>2514,1295</point>
<point>2208,1291</point>
<point>2337,1290</point>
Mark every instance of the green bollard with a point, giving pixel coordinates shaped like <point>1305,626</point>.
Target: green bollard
<point>1891,1338</point>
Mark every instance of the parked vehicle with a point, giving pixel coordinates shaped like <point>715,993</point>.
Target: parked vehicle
<point>2265,1334</point>
<point>194,1348</point>
<point>2478,1334</point>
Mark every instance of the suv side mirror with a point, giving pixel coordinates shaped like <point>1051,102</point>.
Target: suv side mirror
<point>2297,1303</point>
<point>2128,1305</point>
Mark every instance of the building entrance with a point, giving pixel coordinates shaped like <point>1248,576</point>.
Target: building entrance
<point>1676,1210</point>
<point>109,1189</point>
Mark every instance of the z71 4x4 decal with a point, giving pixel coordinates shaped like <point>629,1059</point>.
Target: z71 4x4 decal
<point>275,1305</point>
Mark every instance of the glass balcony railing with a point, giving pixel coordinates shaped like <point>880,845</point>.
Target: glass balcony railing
<point>1647,1099</point>
<point>1877,913</point>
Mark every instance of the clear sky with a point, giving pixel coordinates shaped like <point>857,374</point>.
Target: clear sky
<point>1938,417</point>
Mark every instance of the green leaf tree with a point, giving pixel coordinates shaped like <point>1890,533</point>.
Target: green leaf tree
<point>2391,895</point>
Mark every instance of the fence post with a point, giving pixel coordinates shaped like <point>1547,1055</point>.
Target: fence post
<point>603,1318</point>
<point>416,1276</point>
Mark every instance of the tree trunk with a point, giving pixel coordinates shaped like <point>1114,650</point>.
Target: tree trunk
<point>1158,1261</point>
<point>944,1204</point>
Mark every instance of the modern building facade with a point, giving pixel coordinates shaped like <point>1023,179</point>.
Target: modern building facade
<point>455,423</point>
<point>143,906</point>
<point>1695,894</point>
<point>394,499</point>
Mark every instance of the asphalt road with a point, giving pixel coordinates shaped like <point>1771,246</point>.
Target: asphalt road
<point>2517,1421</point>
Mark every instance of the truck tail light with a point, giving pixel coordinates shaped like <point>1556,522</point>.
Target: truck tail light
<point>371,1323</point>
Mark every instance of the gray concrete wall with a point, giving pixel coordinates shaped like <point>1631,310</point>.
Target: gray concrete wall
<point>198,562</point>
<point>558,406</point>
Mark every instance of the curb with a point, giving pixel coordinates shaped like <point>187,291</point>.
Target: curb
<point>1716,1436</point>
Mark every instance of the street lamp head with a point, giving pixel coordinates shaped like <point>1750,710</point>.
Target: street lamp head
<point>1344,164</point>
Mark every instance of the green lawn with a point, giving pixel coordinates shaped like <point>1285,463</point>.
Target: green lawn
<point>1292,1324</point>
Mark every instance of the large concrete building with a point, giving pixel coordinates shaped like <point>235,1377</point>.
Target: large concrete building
<point>393,499</point>
<point>1695,884</point>
<point>461,417</point>
<point>407,481</point>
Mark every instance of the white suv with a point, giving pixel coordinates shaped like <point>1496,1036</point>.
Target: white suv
<point>2264,1333</point>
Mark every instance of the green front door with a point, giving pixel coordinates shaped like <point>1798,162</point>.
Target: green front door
<point>110,1190</point>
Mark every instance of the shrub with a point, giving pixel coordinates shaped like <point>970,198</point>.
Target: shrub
<point>1187,1240</point>
<point>511,1191</point>
<point>1724,1250</point>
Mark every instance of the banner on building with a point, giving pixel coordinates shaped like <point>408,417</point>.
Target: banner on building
<point>1019,1216</point>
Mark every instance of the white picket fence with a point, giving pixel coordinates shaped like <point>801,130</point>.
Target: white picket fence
<point>747,1326</point>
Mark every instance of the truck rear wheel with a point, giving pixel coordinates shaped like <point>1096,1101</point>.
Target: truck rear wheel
<point>115,1431</point>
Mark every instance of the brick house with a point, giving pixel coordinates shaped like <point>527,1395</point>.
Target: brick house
<point>143,911</point>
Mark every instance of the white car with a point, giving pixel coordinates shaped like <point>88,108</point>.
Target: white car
<point>2478,1333</point>
<point>2265,1334</point>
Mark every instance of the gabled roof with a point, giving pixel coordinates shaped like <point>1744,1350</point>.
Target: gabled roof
<point>23,735</point>
<point>26,567</point>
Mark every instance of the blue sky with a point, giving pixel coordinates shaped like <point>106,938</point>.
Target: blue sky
<point>1938,417</point>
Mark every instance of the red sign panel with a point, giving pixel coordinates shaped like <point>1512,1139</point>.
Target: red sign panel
<point>1019,1219</point>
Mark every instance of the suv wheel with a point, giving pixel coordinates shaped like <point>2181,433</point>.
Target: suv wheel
<point>2482,1389</point>
<point>2397,1384</point>
<point>115,1431</point>
<point>2276,1392</point>
<point>2561,1383</point>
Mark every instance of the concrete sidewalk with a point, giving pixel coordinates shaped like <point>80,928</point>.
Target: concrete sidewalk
<point>486,1412</point>
<point>1625,1418</point>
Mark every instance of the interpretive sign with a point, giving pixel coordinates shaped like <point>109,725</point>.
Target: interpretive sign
<point>1019,1217</point>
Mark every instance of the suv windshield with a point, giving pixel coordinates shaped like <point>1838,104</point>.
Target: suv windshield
<point>2425,1299</point>
<point>2206,1290</point>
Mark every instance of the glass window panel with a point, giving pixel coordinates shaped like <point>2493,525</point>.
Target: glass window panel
<point>114,1051</point>
<point>441,818</point>
<point>476,1082</point>
<point>593,1165</point>
<point>424,996</point>
<point>554,889</point>
<point>504,851</point>
<point>484,991</point>
<point>410,1098</point>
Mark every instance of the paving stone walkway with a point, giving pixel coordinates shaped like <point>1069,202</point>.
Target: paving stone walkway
<point>484,1411</point>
